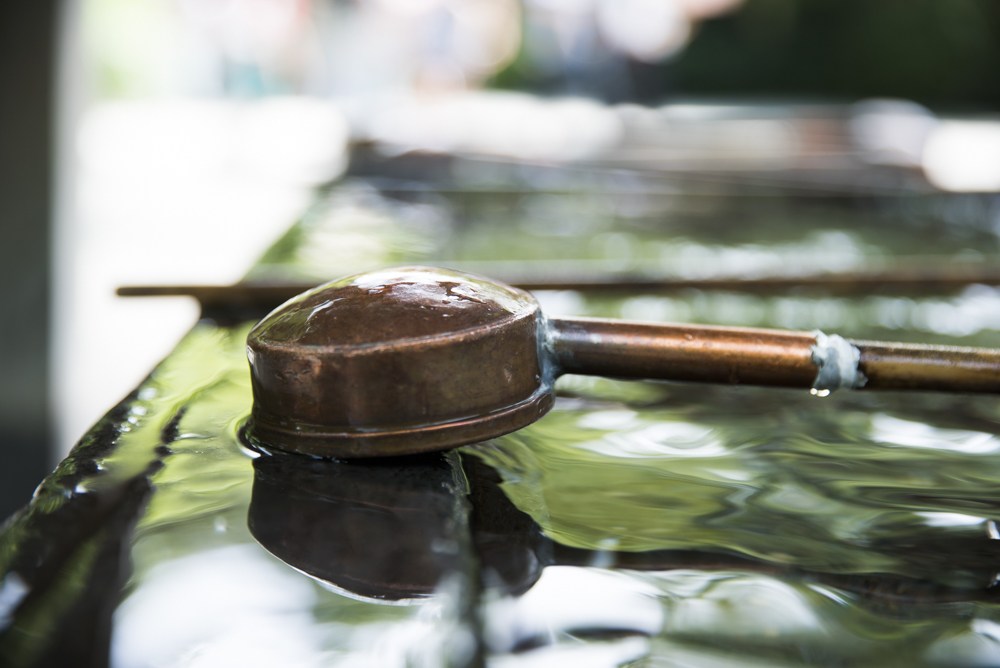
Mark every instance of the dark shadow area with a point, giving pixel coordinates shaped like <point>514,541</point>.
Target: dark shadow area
<point>27,63</point>
<point>942,54</point>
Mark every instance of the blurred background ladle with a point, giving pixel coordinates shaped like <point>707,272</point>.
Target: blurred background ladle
<point>417,359</point>
<point>932,275</point>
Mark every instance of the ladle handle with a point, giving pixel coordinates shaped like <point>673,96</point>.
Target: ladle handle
<point>716,354</point>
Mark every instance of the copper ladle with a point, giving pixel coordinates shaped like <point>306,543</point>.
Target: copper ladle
<point>417,359</point>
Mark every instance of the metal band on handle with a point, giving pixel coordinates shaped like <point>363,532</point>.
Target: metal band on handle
<point>838,361</point>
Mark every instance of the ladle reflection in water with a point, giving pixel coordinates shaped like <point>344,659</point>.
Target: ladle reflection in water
<point>389,530</point>
<point>395,530</point>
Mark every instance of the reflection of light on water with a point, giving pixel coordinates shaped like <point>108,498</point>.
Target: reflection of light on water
<point>568,598</point>
<point>227,606</point>
<point>13,589</point>
<point>435,635</point>
<point>621,652</point>
<point>950,519</point>
<point>977,646</point>
<point>830,593</point>
<point>627,435</point>
<point>737,606</point>
<point>895,431</point>
<point>608,420</point>
<point>235,606</point>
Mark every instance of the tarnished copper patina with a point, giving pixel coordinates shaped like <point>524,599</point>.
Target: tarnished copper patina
<point>417,359</point>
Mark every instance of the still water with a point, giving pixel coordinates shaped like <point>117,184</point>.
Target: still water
<point>637,524</point>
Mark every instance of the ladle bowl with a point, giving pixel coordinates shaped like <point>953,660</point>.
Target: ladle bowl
<point>417,359</point>
<point>397,362</point>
